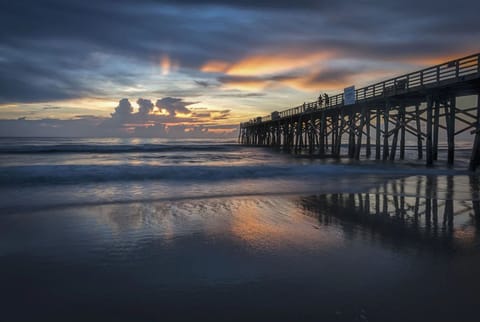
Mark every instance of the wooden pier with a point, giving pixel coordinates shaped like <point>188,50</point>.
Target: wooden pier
<point>378,119</point>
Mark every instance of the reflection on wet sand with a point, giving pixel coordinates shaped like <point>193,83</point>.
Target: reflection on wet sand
<point>255,222</point>
<point>433,210</point>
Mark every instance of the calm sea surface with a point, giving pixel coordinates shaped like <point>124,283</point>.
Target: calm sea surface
<point>156,230</point>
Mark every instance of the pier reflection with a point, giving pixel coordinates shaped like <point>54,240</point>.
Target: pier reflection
<point>441,211</point>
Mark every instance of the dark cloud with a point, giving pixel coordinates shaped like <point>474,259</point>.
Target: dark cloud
<point>124,115</point>
<point>145,106</point>
<point>123,110</point>
<point>124,122</point>
<point>253,4</point>
<point>48,48</point>
<point>335,75</point>
<point>242,95</point>
<point>221,115</point>
<point>173,105</point>
<point>205,84</point>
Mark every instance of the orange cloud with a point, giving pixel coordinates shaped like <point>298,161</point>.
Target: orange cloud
<point>268,64</point>
<point>168,65</point>
<point>435,60</point>
<point>215,66</point>
<point>246,83</point>
<point>310,84</point>
<point>335,79</point>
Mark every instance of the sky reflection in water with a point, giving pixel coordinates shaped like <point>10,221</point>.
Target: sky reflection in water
<point>378,253</point>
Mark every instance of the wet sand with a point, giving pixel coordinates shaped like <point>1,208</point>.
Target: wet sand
<point>405,249</point>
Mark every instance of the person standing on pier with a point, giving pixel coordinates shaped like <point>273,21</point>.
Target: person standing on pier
<point>327,99</point>
<point>320,101</point>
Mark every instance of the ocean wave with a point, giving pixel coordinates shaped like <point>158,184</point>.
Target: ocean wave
<point>123,148</point>
<point>79,174</point>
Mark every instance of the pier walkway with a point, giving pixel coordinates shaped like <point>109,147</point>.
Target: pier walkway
<point>376,120</point>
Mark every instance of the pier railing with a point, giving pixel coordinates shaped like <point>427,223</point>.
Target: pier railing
<point>428,77</point>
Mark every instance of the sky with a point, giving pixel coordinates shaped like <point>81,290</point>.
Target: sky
<point>180,69</point>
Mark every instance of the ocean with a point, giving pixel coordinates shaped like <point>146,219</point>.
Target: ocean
<point>182,230</point>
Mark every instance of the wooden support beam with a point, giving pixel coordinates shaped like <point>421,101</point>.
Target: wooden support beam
<point>413,131</point>
<point>340,131</point>
<point>461,119</point>
<point>395,138</point>
<point>351,136</point>
<point>450,118</point>
<point>386,114</point>
<point>322,135</point>
<point>312,135</point>
<point>377,135</point>
<point>436,125</point>
<point>360,132</point>
<point>466,113</point>
<point>297,137</point>
<point>402,132</point>
<point>335,120</point>
<point>475,157</point>
<point>368,119</point>
<point>441,126</point>
<point>429,131</point>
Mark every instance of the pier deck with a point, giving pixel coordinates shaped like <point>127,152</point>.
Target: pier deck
<point>379,117</point>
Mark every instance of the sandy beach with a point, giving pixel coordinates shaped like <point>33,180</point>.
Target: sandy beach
<point>369,248</point>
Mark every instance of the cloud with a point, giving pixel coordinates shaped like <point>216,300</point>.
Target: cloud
<point>127,45</point>
<point>124,122</point>
<point>246,83</point>
<point>145,106</point>
<point>205,84</point>
<point>242,95</point>
<point>220,115</point>
<point>334,77</point>
<point>267,5</point>
<point>175,113</point>
<point>123,110</point>
<point>215,66</point>
<point>173,106</point>
<point>275,63</point>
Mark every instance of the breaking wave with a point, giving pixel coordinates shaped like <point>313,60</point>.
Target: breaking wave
<point>119,148</point>
<point>75,174</point>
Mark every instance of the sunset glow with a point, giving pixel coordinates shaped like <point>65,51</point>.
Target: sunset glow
<point>276,63</point>
<point>250,62</point>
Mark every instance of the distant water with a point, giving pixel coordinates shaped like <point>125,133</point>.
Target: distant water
<point>152,229</point>
<point>56,172</point>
